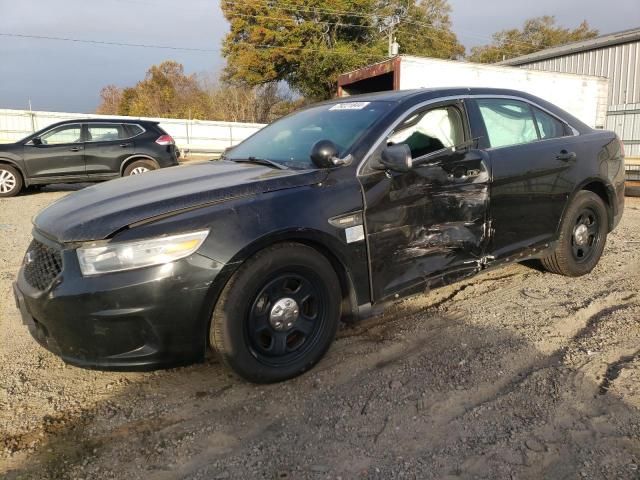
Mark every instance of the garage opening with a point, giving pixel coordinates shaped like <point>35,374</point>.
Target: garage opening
<point>379,83</point>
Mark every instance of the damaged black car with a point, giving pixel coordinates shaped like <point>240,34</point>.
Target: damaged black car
<point>318,217</point>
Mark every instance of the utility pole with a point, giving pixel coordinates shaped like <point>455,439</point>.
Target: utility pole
<point>388,25</point>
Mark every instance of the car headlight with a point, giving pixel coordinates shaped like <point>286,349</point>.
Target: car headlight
<point>118,256</point>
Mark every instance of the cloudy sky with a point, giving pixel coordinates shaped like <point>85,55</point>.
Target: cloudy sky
<point>67,76</point>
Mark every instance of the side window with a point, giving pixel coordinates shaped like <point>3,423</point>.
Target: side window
<point>134,129</point>
<point>61,135</point>
<point>431,130</point>
<point>102,132</point>
<point>548,126</point>
<point>508,122</point>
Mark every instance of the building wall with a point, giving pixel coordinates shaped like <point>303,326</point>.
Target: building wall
<point>621,64</point>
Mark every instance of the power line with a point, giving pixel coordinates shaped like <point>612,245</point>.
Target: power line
<point>102,42</point>
<point>199,50</point>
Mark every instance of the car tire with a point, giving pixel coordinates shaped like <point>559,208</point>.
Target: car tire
<point>278,314</point>
<point>139,166</point>
<point>583,234</point>
<point>10,181</point>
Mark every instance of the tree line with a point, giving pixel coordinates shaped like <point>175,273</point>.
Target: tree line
<point>280,55</point>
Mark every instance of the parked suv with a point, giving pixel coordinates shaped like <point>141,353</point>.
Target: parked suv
<point>85,151</point>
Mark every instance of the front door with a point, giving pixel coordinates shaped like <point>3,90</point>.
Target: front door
<point>429,225</point>
<point>57,153</point>
<point>108,145</point>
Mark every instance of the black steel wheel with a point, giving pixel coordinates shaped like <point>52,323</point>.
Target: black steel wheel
<point>586,235</point>
<point>278,314</point>
<point>583,234</point>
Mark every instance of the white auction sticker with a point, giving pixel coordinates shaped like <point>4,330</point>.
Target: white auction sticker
<point>350,106</point>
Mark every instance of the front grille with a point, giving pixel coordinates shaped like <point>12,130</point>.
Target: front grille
<point>42,265</point>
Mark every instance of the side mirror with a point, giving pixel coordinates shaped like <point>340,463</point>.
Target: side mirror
<point>397,157</point>
<point>324,153</point>
<point>36,141</point>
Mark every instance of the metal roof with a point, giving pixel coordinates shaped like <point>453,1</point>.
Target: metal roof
<point>617,38</point>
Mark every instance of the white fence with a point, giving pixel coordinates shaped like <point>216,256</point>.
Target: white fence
<point>191,136</point>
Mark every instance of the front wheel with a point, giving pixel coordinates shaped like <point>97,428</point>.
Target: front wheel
<point>278,314</point>
<point>10,181</point>
<point>583,234</point>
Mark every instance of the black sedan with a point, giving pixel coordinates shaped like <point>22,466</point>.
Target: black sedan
<point>87,150</point>
<point>317,217</point>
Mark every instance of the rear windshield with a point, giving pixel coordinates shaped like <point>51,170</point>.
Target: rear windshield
<point>288,141</point>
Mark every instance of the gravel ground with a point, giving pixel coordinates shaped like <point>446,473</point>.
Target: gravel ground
<point>514,374</point>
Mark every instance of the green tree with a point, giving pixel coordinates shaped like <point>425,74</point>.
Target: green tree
<point>308,43</point>
<point>536,34</point>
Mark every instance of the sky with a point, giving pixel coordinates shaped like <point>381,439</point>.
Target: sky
<point>67,76</point>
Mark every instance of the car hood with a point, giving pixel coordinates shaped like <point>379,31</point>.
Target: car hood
<point>96,212</point>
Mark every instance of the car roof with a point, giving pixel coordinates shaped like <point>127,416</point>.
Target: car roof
<point>105,120</point>
<point>429,93</point>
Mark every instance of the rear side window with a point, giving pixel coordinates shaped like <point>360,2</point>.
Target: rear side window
<point>134,129</point>
<point>548,126</point>
<point>508,122</point>
<point>104,132</point>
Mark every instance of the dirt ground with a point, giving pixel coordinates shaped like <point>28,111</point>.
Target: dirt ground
<point>513,374</point>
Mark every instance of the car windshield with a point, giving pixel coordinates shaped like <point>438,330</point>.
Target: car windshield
<point>288,141</point>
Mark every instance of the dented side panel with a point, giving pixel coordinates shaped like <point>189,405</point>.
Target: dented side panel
<point>427,222</point>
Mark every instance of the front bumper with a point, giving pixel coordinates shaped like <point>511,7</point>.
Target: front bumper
<point>155,317</point>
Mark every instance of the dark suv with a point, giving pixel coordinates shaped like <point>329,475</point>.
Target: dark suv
<point>85,151</point>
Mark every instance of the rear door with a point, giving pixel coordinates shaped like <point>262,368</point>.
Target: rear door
<point>426,226</point>
<point>60,153</point>
<point>107,146</point>
<point>532,152</point>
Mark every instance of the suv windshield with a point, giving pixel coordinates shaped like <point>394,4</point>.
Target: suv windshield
<point>288,141</point>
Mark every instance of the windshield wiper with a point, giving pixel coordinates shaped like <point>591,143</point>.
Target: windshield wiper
<point>259,161</point>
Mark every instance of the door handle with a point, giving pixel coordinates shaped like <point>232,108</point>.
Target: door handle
<point>75,149</point>
<point>125,145</point>
<point>566,156</point>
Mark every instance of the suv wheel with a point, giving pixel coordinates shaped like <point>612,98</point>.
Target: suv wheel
<point>278,314</point>
<point>138,167</point>
<point>10,181</point>
<point>583,234</point>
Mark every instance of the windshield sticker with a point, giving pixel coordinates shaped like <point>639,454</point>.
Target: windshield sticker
<point>350,106</point>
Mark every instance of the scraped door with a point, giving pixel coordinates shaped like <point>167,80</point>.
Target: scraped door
<point>427,226</point>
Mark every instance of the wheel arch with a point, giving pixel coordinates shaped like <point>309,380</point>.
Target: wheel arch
<point>325,245</point>
<point>6,161</point>
<point>132,158</point>
<point>320,241</point>
<point>604,190</point>
<point>600,187</point>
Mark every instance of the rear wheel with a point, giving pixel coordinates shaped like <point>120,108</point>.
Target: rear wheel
<point>10,181</point>
<point>583,234</point>
<point>139,166</point>
<point>278,314</point>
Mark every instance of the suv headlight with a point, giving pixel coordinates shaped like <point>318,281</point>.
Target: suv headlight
<point>118,256</point>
